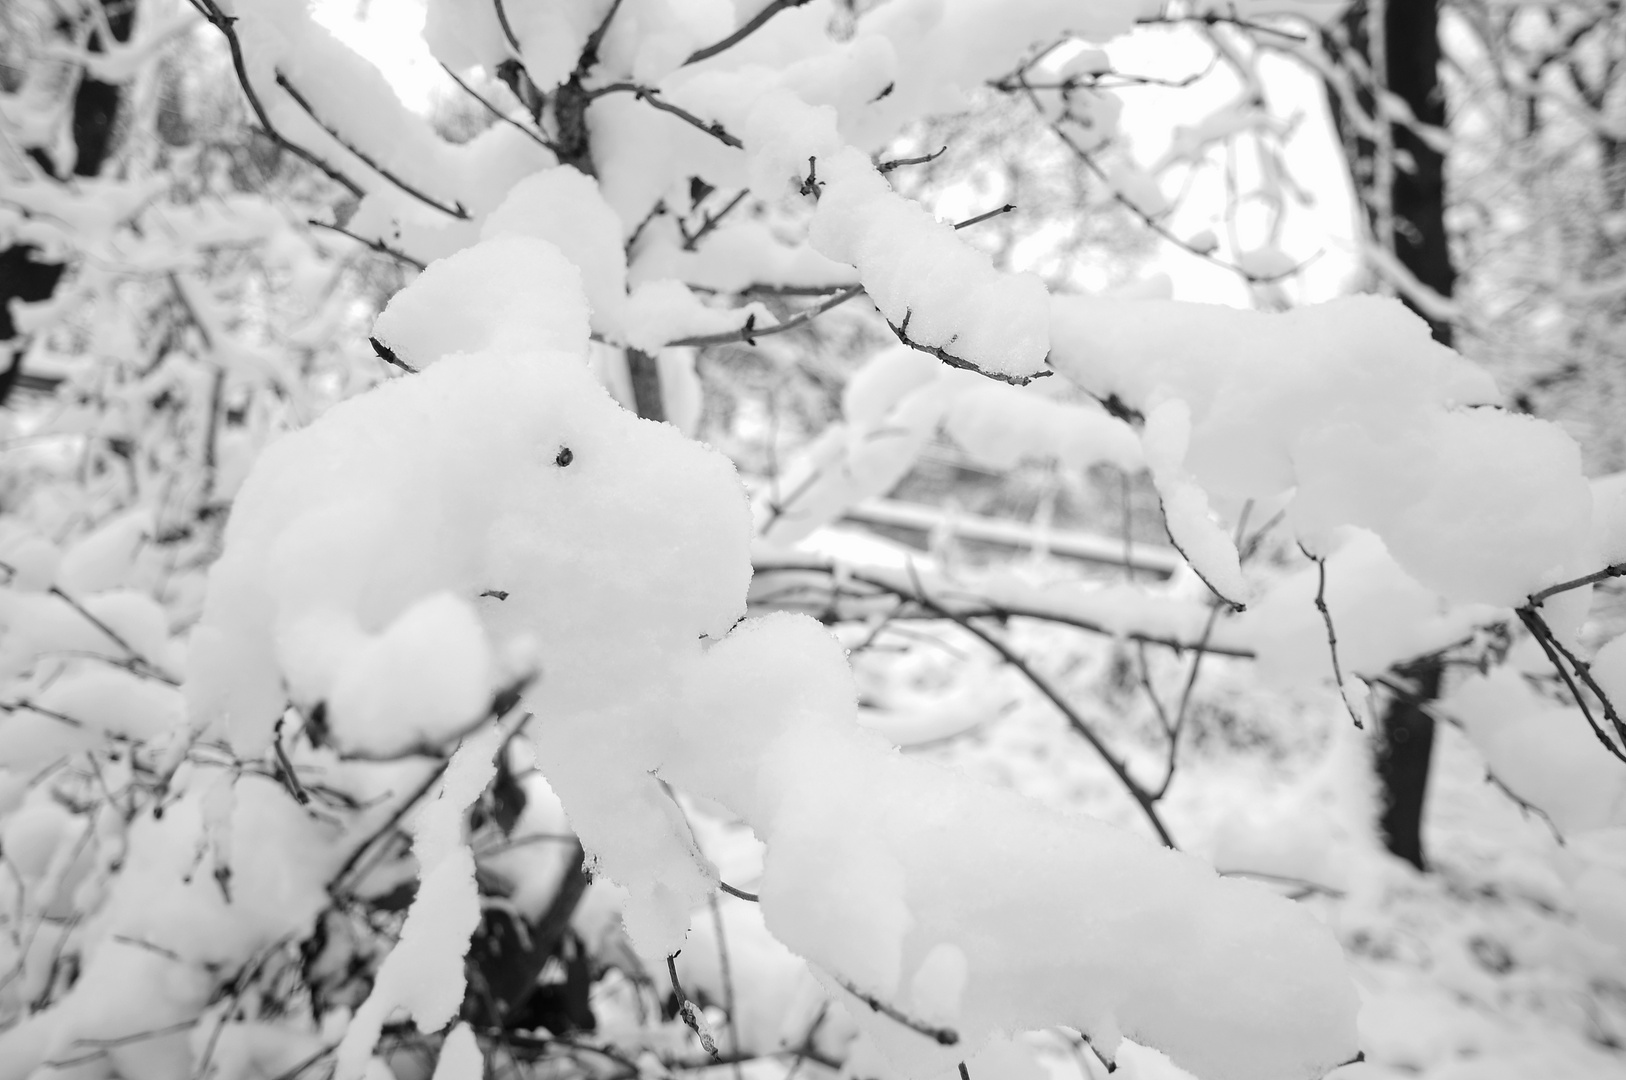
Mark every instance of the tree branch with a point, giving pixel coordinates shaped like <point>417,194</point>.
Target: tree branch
<point>751,26</point>
<point>649,95</point>
<point>223,22</point>
<point>376,245</point>
<point>454,209</point>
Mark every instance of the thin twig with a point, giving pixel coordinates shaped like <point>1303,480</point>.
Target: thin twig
<point>1614,570</point>
<point>651,96</point>
<point>376,245</point>
<point>981,607</point>
<point>692,240</point>
<point>887,166</point>
<point>688,1011</point>
<point>223,22</point>
<point>498,113</point>
<point>941,1035</point>
<point>151,669</point>
<point>1544,637</point>
<point>1143,798</point>
<point>901,331</point>
<point>750,333</point>
<point>980,218</point>
<point>507,28</point>
<point>454,209</point>
<point>726,973</point>
<point>751,26</point>
<point>1332,636</point>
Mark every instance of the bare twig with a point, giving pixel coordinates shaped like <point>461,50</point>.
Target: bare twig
<point>750,332</point>
<point>453,209</point>
<point>149,668</point>
<point>223,22</point>
<point>751,26</point>
<point>980,607</point>
<point>340,883</point>
<point>1613,571</point>
<point>692,240</point>
<point>376,245</point>
<point>941,1035</point>
<point>498,113</point>
<point>1146,800</point>
<point>726,973</point>
<point>1332,636</point>
<point>887,166</point>
<point>980,218</point>
<point>651,96</point>
<point>1549,644</point>
<point>689,1012</point>
<point>507,27</point>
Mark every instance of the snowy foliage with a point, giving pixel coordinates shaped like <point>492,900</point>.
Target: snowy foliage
<point>338,691</point>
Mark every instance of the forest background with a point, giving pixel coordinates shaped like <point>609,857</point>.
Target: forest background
<point>1038,582</point>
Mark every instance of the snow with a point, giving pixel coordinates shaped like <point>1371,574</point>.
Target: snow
<point>908,837</point>
<point>893,405</point>
<point>564,207</point>
<point>498,520</point>
<point>1540,749</point>
<point>460,1057</point>
<point>927,282</point>
<point>625,563</point>
<point>429,675</point>
<point>102,559</point>
<point>115,702</point>
<point>1354,408</point>
<point>1186,510</point>
<point>1382,616</point>
<point>469,302</point>
<point>424,975</point>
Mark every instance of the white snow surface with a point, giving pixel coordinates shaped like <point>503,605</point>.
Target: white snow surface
<point>1352,407</point>
<point>625,565</point>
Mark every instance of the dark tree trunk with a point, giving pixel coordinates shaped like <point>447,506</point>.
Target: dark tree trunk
<point>22,276</point>
<point>1416,197</point>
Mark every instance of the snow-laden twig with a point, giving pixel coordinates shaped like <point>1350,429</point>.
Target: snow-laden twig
<point>223,22</point>
<point>454,209</point>
<point>901,331</point>
<point>147,667</point>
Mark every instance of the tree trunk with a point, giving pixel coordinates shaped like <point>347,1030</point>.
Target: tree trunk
<point>22,276</point>
<point>1413,195</point>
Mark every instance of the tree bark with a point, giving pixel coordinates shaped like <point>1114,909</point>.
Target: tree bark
<point>1407,66</point>
<point>22,276</point>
